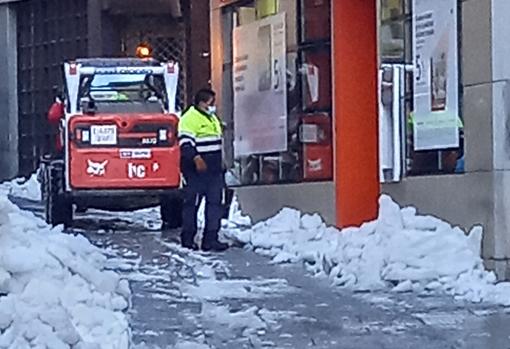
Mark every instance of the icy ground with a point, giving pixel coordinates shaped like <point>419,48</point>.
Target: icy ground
<point>241,299</point>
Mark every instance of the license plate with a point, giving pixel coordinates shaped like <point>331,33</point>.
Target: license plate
<point>103,135</point>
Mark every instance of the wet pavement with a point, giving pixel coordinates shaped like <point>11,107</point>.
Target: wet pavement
<point>239,300</point>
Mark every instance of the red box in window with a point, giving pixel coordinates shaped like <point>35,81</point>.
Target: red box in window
<point>316,74</point>
<point>316,137</point>
<point>316,19</point>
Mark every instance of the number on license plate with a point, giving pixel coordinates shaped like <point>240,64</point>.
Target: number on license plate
<point>103,135</point>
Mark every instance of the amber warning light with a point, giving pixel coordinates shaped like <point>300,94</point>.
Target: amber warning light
<point>143,51</point>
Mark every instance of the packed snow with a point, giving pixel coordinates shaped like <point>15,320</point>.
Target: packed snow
<point>225,303</point>
<point>401,251</point>
<point>54,289</point>
<point>24,188</point>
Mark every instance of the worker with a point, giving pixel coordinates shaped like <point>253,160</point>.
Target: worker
<point>200,140</point>
<point>55,115</point>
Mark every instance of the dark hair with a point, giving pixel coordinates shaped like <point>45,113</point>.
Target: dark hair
<point>204,95</point>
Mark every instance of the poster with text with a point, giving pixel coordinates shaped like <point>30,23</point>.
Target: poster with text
<point>436,91</point>
<point>260,87</point>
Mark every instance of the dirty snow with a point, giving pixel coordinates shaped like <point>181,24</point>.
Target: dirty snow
<point>23,188</point>
<point>54,290</point>
<point>400,251</point>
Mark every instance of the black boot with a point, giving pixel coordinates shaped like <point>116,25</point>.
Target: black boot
<point>214,245</point>
<point>191,246</point>
<point>187,242</point>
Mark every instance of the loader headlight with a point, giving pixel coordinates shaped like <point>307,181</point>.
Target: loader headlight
<point>85,136</point>
<point>82,134</point>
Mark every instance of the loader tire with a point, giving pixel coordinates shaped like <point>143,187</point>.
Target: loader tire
<point>58,207</point>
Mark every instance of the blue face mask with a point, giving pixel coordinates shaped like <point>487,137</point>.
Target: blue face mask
<point>211,109</point>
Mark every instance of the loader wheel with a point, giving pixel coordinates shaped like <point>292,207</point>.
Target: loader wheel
<point>57,205</point>
<point>171,212</point>
<point>42,182</point>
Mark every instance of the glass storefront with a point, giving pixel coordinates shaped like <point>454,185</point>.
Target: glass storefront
<point>426,148</point>
<point>277,92</point>
<point>288,137</point>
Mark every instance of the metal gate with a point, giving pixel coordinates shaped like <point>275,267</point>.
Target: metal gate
<point>167,37</point>
<point>49,32</point>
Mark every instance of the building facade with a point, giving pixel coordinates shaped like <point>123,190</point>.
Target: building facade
<point>408,98</point>
<point>327,103</point>
<point>39,35</point>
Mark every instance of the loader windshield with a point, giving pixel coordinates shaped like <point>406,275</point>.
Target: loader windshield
<point>125,93</point>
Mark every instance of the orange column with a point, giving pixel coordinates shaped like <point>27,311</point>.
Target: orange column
<point>354,25</point>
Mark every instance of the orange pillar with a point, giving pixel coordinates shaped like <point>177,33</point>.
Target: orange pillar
<point>354,36</point>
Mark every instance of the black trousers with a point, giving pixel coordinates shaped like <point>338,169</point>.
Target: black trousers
<point>197,187</point>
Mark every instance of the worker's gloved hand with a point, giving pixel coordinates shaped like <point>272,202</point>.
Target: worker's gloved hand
<point>200,164</point>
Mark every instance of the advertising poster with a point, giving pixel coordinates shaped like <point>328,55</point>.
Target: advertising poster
<point>436,106</point>
<point>260,87</point>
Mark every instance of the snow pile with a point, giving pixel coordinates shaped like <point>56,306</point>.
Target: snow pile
<point>29,189</point>
<point>400,250</point>
<point>235,217</point>
<point>54,291</point>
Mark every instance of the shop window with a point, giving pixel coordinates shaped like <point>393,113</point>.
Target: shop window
<point>434,150</point>
<point>316,81</point>
<point>395,31</point>
<point>307,128</point>
<point>316,19</point>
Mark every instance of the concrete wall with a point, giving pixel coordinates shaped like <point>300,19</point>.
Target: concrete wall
<point>262,202</point>
<point>8,94</point>
<point>465,200</point>
<point>500,77</point>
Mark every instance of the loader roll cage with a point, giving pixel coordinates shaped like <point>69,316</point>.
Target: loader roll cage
<point>121,85</point>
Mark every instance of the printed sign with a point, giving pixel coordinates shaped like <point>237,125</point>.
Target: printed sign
<point>260,87</point>
<point>436,111</point>
<point>135,153</point>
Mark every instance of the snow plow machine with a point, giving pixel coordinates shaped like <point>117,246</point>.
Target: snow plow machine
<point>120,150</point>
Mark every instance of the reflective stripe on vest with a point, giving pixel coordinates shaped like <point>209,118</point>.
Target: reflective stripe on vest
<point>200,130</point>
